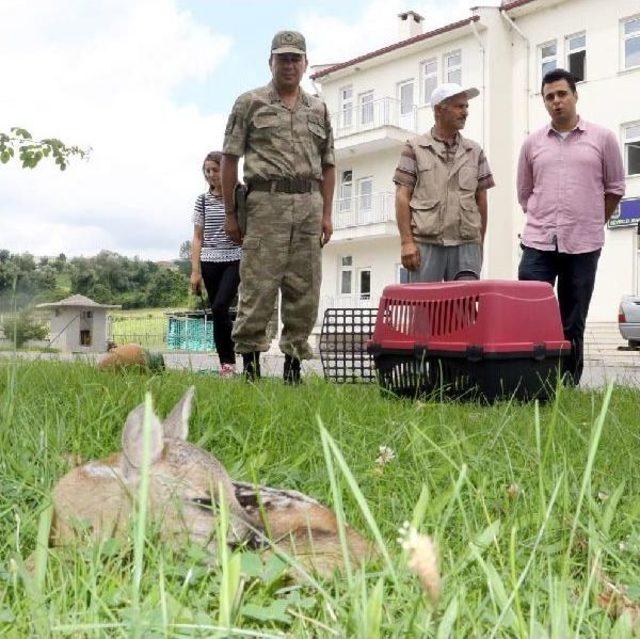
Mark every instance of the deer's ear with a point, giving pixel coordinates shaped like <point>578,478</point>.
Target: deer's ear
<point>176,425</point>
<point>133,439</point>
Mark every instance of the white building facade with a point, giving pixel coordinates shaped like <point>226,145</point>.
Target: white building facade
<point>381,99</point>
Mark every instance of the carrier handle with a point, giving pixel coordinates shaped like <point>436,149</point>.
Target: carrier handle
<point>539,352</point>
<point>475,353</point>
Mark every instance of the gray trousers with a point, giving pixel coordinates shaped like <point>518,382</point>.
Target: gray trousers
<point>438,263</point>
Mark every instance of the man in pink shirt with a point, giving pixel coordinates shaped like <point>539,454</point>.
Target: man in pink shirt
<point>570,180</point>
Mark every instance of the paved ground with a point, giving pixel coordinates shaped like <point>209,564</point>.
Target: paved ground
<point>606,358</point>
<point>271,363</point>
<point>599,373</point>
<point>603,363</point>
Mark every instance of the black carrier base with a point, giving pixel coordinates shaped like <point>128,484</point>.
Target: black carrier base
<point>491,378</point>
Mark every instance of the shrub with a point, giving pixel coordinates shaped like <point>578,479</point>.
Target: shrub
<point>23,327</point>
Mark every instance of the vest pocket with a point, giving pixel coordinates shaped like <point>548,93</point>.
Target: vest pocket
<point>469,219</point>
<point>426,220</point>
<point>468,179</point>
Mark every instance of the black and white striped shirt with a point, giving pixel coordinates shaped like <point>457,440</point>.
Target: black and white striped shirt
<point>216,245</point>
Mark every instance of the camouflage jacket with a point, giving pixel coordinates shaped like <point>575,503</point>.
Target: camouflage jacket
<point>278,142</point>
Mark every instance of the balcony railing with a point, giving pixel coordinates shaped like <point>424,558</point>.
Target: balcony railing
<point>374,114</point>
<point>346,301</point>
<point>373,208</point>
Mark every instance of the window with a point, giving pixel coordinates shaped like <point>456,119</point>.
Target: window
<point>366,108</point>
<point>407,109</point>
<point>85,338</point>
<point>346,186</point>
<point>402,275</point>
<point>364,283</point>
<point>631,42</point>
<point>453,66</point>
<point>576,48</point>
<point>346,107</point>
<point>365,194</point>
<point>631,134</point>
<point>429,79</point>
<point>346,275</point>
<point>405,93</point>
<point>548,57</point>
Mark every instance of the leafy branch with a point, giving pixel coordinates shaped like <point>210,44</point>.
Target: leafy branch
<point>31,151</point>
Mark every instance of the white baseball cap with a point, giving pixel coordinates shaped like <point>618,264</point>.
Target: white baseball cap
<point>448,90</point>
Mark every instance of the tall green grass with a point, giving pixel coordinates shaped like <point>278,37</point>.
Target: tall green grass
<point>532,507</point>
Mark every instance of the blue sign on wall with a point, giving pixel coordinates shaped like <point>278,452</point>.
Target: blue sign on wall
<point>628,214</point>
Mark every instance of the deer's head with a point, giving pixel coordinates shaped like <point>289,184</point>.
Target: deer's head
<point>185,484</point>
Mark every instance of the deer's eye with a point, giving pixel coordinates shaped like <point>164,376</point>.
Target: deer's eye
<point>202,502</point>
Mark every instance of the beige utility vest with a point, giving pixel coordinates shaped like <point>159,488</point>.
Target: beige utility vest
<point>443,205</point>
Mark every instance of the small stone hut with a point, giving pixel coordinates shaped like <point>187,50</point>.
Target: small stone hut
<point>78,324</point>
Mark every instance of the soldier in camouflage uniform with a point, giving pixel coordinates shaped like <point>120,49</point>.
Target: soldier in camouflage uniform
<point>286,139</point>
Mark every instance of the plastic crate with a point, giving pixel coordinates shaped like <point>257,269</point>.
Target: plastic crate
<point>343,344</point>
<point>490,338</point>
<point>190,334</point>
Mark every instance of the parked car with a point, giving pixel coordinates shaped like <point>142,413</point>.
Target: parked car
<point>629,319</point>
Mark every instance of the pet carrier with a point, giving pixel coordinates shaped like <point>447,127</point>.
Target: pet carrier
<point>490,338</point>
<point>343,344</point>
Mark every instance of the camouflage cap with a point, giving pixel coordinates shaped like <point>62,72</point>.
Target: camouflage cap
<point>288,42</point>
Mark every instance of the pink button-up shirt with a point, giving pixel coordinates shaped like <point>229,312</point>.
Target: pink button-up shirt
<point>562,183</point>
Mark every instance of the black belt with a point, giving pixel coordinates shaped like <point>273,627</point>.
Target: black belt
<point>284,185</point>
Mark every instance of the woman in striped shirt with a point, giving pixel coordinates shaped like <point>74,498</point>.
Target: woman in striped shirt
<point>215,261</point>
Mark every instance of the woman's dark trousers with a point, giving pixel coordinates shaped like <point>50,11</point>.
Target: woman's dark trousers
<point>221,279</point>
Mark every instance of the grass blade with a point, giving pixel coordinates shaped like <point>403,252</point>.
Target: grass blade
<point>229,565</point>
<point>374,610</point>
<point>445,628</point>
<point>140,523</point>
<point>586,477</point>
<point>41,553</point>
<point>361,501</point>
<point>337,500</point>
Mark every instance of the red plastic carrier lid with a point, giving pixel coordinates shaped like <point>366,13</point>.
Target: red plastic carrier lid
<point>492,316</point>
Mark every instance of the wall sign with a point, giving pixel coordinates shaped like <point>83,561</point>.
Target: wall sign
<point>628,214</point>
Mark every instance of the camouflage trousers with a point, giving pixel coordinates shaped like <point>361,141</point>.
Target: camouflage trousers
<point>281,251</point>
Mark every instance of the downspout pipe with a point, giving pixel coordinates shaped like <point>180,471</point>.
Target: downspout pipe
<point>474,28</point>
<point>314,85</point>
<point>517,29</point>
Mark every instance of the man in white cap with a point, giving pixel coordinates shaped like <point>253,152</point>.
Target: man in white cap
<point>441,194</point>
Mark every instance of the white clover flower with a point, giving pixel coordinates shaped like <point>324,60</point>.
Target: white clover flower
<point>386,455</point>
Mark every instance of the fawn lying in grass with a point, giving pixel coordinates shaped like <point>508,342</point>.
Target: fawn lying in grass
<point>185,483</point>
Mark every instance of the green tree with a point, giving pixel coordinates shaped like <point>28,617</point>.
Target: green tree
<point>167,287</point>
<point>60,262</point>
<point>30,152</point>
<point>184,253</point>
<point>23,327</point>
<point>108,278</point>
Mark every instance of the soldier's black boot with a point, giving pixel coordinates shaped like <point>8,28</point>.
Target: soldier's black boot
<point>291,371</point>
<point>251,366</point>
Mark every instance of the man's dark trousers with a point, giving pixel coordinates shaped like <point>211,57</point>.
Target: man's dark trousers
<point>576,274</point>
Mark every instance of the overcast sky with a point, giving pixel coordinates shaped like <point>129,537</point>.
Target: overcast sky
<point>147,84</point>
